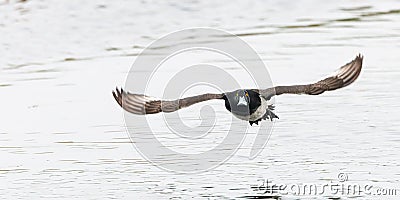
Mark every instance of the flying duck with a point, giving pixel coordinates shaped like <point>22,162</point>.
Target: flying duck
<point>246,104</point>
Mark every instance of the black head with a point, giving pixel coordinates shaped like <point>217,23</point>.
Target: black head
<point>242,102</point>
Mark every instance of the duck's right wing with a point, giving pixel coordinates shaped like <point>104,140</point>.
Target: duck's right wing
<point>141,104</point>
<point>343,77</point>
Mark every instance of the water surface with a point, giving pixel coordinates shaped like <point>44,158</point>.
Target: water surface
<point>63,136</point>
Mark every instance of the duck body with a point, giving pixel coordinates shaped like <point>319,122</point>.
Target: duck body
<point>248,105</point>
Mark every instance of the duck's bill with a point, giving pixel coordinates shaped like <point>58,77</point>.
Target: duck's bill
<point>242,101</point>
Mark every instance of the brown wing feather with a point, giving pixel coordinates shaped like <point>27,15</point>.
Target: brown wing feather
<point>142,104</point>
<point>343,77</point>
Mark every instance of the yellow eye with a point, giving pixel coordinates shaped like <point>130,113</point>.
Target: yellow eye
<point>247,94</point>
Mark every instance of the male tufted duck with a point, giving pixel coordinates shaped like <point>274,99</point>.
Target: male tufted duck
<point>246,104</point>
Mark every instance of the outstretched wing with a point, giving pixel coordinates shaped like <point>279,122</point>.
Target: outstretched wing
<point>141,104</point>
<point>341,78</point>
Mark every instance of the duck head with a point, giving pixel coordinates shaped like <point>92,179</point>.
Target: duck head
<point>238,102</point>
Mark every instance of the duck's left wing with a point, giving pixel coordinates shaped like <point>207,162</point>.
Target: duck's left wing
<point>141,104</point>
<point>343,77</point>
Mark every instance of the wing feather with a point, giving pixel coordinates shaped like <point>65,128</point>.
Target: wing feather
<point>343,77</point>
<point>141,104</point>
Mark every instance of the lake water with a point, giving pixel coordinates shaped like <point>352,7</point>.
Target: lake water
<point>63,136</point>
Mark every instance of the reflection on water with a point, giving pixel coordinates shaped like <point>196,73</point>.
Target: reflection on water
<point>61,134</point>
